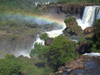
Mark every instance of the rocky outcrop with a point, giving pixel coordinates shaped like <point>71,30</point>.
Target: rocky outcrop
<point>78,63</point>
<point>83,48</point>
<point>72,28</point>
<point>84,65</point>
<point>67,8</point>
<point>89,30</point>
<point>71,22</point>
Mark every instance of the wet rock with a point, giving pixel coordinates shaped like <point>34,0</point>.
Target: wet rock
<point>60,72</point>
<point>61,68</point>
<point>84,57</point>
<point>69,70</point>
<point>89,30</point>
<point>71,23</point>
<point>78,64</point>
<point>72,28</point>
<point>83,48</point>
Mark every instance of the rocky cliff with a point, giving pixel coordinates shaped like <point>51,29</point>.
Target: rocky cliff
<point>83,65</point>
<point>66,8</point>
<point>72,29</point>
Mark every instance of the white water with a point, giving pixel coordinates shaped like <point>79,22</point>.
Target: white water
<point>20,52</point>
<point>89,16</point>
<point>54,33</point>
<point>26,53</point>
<point>92,54</point>
<point>38,40</point>
<point>91,13</point>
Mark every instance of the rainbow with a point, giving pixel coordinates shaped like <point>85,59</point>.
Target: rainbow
<point>42,18</point>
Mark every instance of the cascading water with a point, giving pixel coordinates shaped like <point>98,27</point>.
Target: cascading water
<point>91,13</point>
<point>52,33</point>
<point>38,40</point>
<point>55,33</point>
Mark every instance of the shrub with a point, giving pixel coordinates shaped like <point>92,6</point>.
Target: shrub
<point>10,66</point>
<point>35,51</point>
<point>69,19</point>
<point>44,36</point>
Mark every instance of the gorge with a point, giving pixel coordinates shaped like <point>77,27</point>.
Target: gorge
<point>90,14</point>
<point>48,38</point>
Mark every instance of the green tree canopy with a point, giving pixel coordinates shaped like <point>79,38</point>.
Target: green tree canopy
<point>96,37</point>
<point>10,66</point>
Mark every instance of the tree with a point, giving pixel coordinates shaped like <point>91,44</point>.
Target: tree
<point>57,53</point>
<point>10,66</point>
<point>95,38</point>
<point>44,36</point>
<point>36,50</point>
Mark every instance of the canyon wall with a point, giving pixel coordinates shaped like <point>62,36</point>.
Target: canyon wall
<point>68,9</point>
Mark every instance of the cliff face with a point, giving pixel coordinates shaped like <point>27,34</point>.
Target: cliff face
<point>72,28</point>
<point>69,9</point>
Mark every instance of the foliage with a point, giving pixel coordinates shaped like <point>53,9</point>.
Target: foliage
<point>35,51</point>
<point>69,19</point>
<point>16,30</point>
<point>60,51</point>
<point>78,1</point>
<point>16,6</point>
<point>10,66</point>
<point>82,39</point>
<point>44,36</point>
<point>95,38</point>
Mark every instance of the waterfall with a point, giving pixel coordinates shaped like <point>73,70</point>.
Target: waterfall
<point>38,40</point>
<point>91,13</point>
<point>92,54</point>
<point>26,53</point>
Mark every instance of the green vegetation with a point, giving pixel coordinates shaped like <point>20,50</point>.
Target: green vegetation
<point>82,39</point>
<point>34,66</point>
<point>60,51</point>
<point>95,38</point>
<point>16,30</point>
<point>69,19</point>
<point>45,59</point>
<point>78,1</point>
<point>44,36</point>
<point>22,6</point>
<point>36,50</point>
<point>10,66</point>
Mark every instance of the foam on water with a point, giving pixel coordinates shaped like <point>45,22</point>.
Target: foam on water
<point>92,54</point>
<point>54,33</point>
